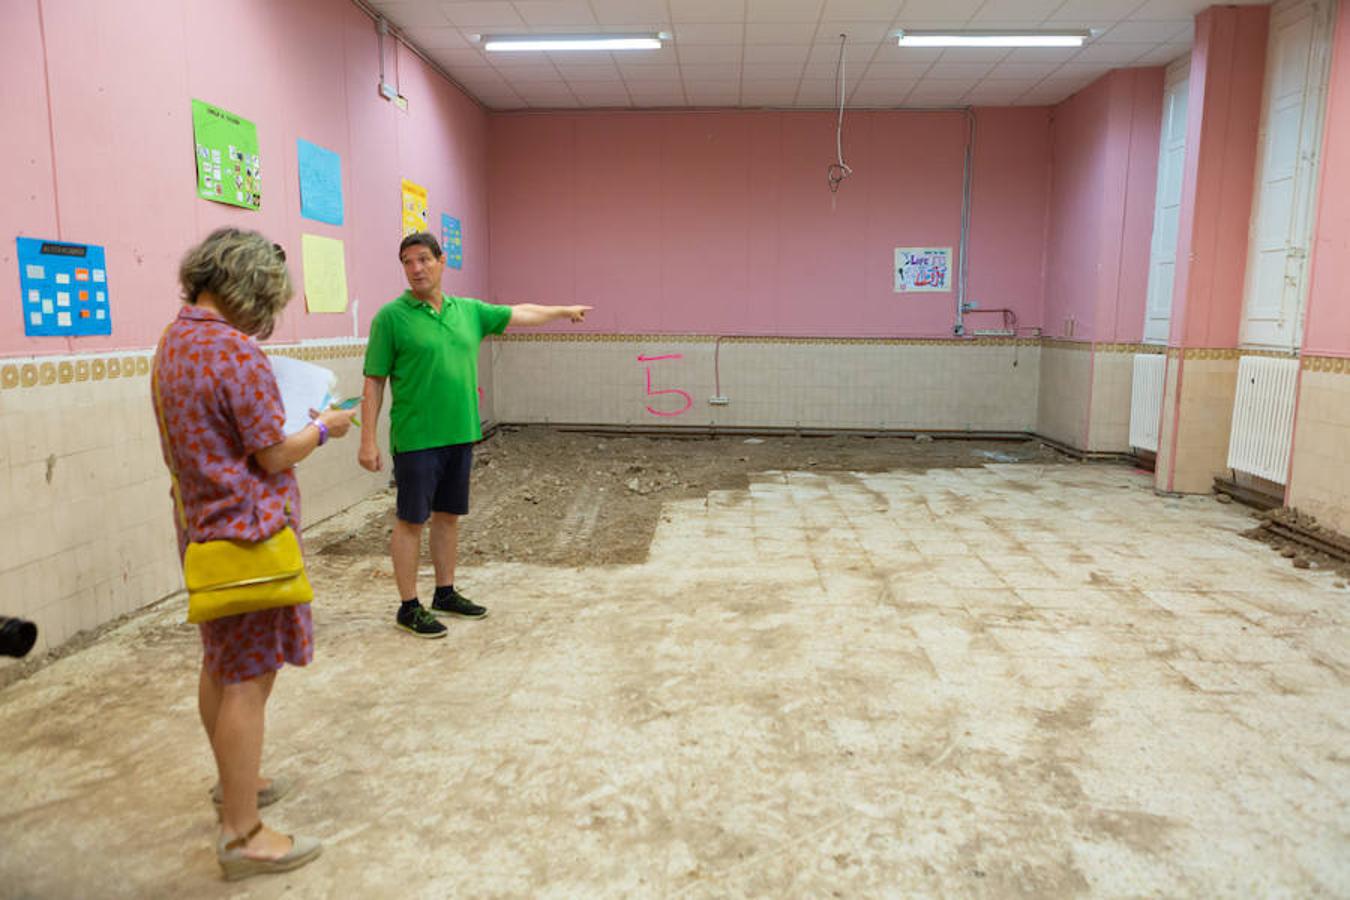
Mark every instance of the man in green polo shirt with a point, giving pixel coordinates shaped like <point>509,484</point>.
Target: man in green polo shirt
<point>425,344</point>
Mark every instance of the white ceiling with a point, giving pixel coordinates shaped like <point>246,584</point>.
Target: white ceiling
<point>784,53</point>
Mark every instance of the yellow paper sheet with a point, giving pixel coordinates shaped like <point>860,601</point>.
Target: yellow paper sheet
<point>325,265</point>
<point>414,208</point>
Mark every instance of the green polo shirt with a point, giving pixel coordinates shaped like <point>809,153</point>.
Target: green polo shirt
<point>431,361</point>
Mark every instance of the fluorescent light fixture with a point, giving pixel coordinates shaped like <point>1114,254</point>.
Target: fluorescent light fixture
<point>553,42</point>
<point>1054,38</point>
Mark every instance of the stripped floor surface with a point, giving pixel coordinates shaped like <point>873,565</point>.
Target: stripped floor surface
<point>1011,680</point>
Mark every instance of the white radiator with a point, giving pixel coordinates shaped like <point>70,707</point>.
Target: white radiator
<point>1146,396</point>
<point>1263,417</point>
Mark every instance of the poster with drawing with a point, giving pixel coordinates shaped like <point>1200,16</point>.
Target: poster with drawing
<point>228,166</point>
<point>923,269</point>
<point>414,208</point>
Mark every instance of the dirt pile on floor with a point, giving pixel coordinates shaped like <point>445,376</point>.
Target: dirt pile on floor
<point>1299,538</point>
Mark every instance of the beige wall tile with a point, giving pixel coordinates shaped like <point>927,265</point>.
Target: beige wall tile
<point>1208,387</point>
<point>770,384</point>
<point>1112,380</point>
<point>1063,394</point>
<point>1319,481</point>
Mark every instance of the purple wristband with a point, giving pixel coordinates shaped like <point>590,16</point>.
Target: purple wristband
<point>323,431</point>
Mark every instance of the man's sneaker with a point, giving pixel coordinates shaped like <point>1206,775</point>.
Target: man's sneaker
<point>420,622</point>
<point>453,603</point>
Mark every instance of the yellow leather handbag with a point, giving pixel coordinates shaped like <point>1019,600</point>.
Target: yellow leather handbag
<point>228,578</point>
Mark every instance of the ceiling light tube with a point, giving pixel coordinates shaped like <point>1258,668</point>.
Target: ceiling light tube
<point>1053,38</point>
<point>556,42</point>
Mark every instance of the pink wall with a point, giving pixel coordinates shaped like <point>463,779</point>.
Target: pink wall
<point>1327,330</point>
<point>1124,308</point>
<point>1228,64</point>
<point>120,78</point>
<point>1104,176</point>
<point>721,222</point>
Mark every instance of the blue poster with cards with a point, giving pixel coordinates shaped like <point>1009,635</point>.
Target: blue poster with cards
<point>63,288</point>
<point>452,242</point>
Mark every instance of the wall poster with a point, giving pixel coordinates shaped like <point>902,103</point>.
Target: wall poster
<point>414,208</point>
<point>63,288</point>
<point>228,167</point>
<point>452,241</point>
<point>320,183</point>
<point>923,269</point>
<point>324,262</point>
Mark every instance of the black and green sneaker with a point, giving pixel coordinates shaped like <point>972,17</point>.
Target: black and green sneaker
<point>416,619</point>
<point>450,602</point>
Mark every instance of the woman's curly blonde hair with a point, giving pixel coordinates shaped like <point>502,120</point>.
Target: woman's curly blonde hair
<point>247,274</point>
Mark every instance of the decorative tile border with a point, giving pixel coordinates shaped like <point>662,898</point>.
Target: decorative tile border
<point>136,364</point>
<point>1235,353</point>
<point>1154,349</point>
<point>566,338</point>
<point>1063,344</point>
<point>74,370</point>
<point>1336,365</point>
<point>319,352</point>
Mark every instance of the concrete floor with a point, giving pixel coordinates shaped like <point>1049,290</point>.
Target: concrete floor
<point>1009,681</point>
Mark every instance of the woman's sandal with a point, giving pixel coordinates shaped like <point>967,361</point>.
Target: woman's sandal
<point>235,865</point>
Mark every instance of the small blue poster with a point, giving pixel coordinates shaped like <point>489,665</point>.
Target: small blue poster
<point>320,183</point>
<point>63,288</point>
<point>452,242</point>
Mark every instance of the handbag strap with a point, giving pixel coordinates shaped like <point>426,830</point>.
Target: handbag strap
<point>164,435</point>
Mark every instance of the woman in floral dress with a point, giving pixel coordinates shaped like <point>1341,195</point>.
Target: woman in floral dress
<point>222,435</point>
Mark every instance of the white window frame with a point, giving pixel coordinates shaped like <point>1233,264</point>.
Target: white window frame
<point>1280,324</point>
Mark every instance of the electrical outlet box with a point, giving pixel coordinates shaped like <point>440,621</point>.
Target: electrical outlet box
<point>401,102</point>
<point>718,401</point>
<point>388,91</point>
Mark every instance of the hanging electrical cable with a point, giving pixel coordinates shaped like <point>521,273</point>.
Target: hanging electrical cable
<point>837,171</point>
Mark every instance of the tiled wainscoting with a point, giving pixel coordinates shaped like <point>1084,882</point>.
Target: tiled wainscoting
<point>1197,418</point>
<point>1112,379</point>
<point>1320,482</point>
<point>85,508</point>
<point>1198,435</point>
<point>1084,396</point>
<point>1064,395</point>
<point>854,383</point>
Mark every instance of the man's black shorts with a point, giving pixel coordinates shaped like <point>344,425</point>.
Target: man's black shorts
<point>433,480</point>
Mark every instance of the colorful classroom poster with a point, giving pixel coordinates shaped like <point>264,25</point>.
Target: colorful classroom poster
<point>452,242</point>
<point>320,183</point>
<point>63,288</point>
<point>228,168</point>
<point>414,208</point>
<point>923,269</point>
<point>324,262</point>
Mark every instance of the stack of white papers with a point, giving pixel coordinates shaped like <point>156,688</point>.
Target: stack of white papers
<point>304,386</point>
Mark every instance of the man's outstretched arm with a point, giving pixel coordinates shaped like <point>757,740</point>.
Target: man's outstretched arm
<point>525,315</point>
